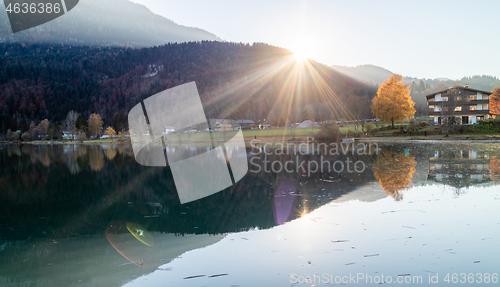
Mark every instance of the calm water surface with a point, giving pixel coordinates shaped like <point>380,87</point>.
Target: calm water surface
<point>409,213</point>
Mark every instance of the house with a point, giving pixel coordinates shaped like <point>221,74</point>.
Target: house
<point>246,124</point>
<point>68,135</point>
<point>461,105</point>
<point>169,130</point>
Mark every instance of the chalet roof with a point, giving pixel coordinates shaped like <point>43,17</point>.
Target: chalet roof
<point>457,87</point>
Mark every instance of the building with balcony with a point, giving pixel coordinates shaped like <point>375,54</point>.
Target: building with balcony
<point>460,105</point>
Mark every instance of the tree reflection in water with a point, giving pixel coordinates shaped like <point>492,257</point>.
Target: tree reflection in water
<point>394,172</point>
<point>495,170</point>
<point>96,159</point>
<point>284,201</point>
<point>110,153</point>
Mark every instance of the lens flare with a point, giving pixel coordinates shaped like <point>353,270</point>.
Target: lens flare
<point>140,233</point>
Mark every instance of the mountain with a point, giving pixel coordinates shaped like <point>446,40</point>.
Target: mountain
<point>377,75</point>
<point>365,73</point>
<point>108,23</point>
<point>236,81</point>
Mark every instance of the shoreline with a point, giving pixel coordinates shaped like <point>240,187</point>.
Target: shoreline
<point>262,141</point>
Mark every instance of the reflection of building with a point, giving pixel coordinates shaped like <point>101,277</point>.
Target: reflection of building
<point>460,168</point>
<point>459,104</point>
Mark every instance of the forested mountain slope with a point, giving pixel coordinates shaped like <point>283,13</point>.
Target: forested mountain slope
<point>234,80</point>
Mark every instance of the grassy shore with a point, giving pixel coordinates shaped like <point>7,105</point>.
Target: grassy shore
<point>301,135</point>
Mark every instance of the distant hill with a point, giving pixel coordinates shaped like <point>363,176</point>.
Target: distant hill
<point>236,81</point>
<point>365,73</point>
<point>109,22</point>
<point>377,75</point>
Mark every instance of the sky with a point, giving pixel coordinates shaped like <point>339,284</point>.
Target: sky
<point>424,39</point>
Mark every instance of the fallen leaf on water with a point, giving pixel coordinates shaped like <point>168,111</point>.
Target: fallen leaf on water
<point>217,275</point>
<point>195,276</point>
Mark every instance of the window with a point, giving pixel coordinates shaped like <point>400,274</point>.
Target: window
<point>473,108</point>
<point>473,98</point>
<point>459,98</point>
<point>431,107</point>
<point>445,99</point>
<point>458,109</point>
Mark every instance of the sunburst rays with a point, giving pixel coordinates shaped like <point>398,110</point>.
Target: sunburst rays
<point>298,82</point>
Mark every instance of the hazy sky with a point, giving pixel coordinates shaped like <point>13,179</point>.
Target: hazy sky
<point>425,39</point>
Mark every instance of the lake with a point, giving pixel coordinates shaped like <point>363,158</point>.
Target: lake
<point>423,213</point>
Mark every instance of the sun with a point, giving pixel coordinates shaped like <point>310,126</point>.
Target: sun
<point>299,55</point>
<point>303,49</point>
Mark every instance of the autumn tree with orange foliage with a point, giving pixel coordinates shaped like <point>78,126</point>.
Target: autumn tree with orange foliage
<point>110,132</point>
<point>393,101</point>
<point>95,125</point>
<point>495,101</point>
<point>394,172</point>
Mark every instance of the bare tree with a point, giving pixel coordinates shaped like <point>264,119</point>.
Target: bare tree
<point>69,123</point>
<point>224,128</point>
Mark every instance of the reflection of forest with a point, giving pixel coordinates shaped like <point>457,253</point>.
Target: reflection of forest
<point>463,167</point>
<point>91,260</point>
<point>75,189</point>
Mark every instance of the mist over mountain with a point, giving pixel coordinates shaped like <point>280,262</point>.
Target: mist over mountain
<point>108,23</point>
<point>365,73</point>
<point>377,75</point>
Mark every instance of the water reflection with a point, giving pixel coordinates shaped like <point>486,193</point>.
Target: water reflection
<point>463,167</point>
<point>284,201</point>
<point>495,170</point>
<point>72,206</point>
<point>394,172</point>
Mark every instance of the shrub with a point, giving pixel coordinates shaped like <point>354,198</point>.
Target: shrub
<point>461,129</point>
<point>369,127</point>
<point>26,137</point>
<point>329,132</point>
<point>487,126</point>
<point>121,137</point>
<point>14,137</point>
<point>81,136</point>
<point>413,124</point>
